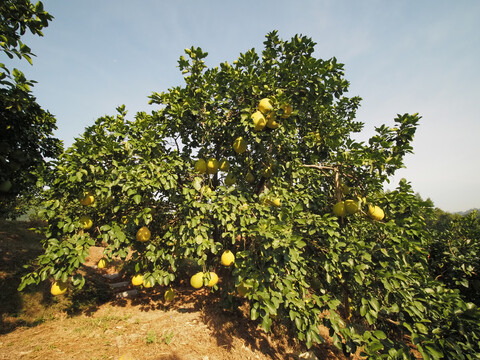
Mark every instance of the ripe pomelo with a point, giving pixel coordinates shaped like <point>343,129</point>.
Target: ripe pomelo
<point>239,145</point>
<point>88,198</point>
<point>86,221</point>
<point>351,206</point>
<point>375,212</point>
<point>143,234</point>
<point>197,280</point>
<point>213,279</point>
<point>212,166</point>
<point>339,209</point>
<point>102,263</point>
<point>277,202</point>
<point>200,166</point>
<point>169,295</point>
<point>259,121</point>
<point>148,284</point>
<point>58,288</point>
<point>137,280</point>
<point>227,258</point>
<point>271,123</point>
<point>265,106</point>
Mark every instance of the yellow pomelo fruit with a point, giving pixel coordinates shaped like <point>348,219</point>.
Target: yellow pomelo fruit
<point>88,199</point>
<point>58,288</point>
<point>224,165</point>
<point>86,221</point>
<point>249,177</point>
<point>137,280</point>
<point>339,209</point>
<point>351,206</point>
<point>371,211</point>
<point>230,179</point>
<point>197,280</point>
<point>227,258</point>
<point>213,279</point>
<point>271,123</point>
<point>265,106</point>
<point>277,202</point>
<point>239,145</point>
<point>201,166</point>
<point>143,234</point>
<point>102,263</point>
<point>380,214</point>
<point>147,284</point>
<point>169,295</point>
<point>259,121</point>
<point>375,212</point>
<point>287,110</point>
<point>212,166</point>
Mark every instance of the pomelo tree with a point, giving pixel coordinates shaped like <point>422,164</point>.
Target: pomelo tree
<point>361,272</point>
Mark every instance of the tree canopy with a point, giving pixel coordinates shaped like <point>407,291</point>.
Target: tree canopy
<point>257,158</point>
<point>26,129</point>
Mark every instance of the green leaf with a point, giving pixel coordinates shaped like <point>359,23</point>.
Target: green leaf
<point>266,323</point>
<point>434,352</point>
<point>421,328</point>
<point>197,183</point>
<point>375,346</point>
<point>375,304</point>
<point>379,334</point>
<point>254,313</point>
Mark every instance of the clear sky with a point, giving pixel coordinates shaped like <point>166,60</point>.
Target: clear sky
<point>400,56</point>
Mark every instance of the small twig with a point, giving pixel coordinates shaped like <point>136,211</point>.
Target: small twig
<point>338,190</point>
<point>176,143</point>
<point>393,322</point>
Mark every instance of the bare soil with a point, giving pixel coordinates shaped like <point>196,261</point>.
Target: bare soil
<point>93,324</point>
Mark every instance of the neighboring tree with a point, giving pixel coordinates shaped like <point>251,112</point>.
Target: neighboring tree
<point>454,253</point>
<point>257,159</point>
<point>26,141</point>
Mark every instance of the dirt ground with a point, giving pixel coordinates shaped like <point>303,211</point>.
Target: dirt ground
<point>193,326</point>
<point>149,331</point>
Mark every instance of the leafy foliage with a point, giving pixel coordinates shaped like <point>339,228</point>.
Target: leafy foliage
<point>295,262</point>
<point>455,253</point>
<point>26,136</point>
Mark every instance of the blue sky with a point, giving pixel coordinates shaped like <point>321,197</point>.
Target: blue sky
<point>403,56</point>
